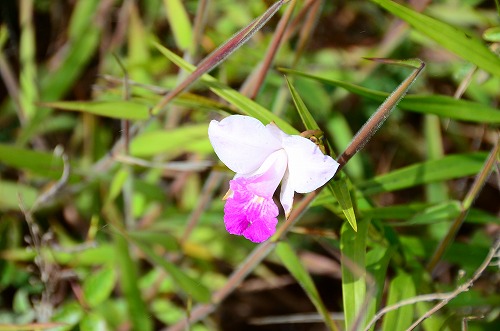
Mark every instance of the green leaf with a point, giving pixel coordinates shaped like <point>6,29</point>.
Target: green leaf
<point>449,167</point>
<point>304,113</point>
<point>155,142</point>
<point>98,286</point>
<point>296,268</point>
<point>460,42</point>
<point>246,105</point>
<point>354,285</point>
<point>93,322</point>
<point>341,192</point>
<point>11,192</point>
<point>179,22</point>
<point>402,287</point>
<point>40,163</point>
<point>115,109</point>
<point>441,105</point>
<point>338,188</point>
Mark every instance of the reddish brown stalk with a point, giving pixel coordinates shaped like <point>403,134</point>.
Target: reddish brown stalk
<point>378,118</point>
<point>275,44</point>
<point>220,54</point>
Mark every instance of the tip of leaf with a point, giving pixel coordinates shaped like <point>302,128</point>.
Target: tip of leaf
<point>409,63</point>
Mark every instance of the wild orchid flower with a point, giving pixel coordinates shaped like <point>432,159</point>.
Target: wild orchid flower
<point>262,157</point>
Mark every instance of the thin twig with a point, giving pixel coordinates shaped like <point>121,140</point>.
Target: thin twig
<point>462,288</point>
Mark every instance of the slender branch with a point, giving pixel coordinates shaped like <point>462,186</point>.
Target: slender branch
<point>465,206</point>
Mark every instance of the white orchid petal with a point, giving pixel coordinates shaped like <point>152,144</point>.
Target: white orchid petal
<point>242,143</point>
<point>309,168</point>
<point>286,194</point>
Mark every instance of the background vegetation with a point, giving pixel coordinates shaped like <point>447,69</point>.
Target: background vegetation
<point>110,193</point>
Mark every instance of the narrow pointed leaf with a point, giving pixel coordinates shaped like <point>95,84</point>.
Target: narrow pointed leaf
<point>338,188</point>
<point>462,43</point>
<point>179,22</point>
<point>341,191</point>
<point>162,141</point>
<point>402,287</point>
<point>441,105</point>
<point>115,109</point>
<point>354,286</point>
<point>449,167</point>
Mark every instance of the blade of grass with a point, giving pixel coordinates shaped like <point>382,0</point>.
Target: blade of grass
<point>401,287</point>
<point>129,279</point>
<point>295,267</point>
<point>114,109</point>
<point>462,43</point>
<point>354,282</point>
<point>28,77</point>
<point>449,167</point>
<point>441,105</point>
<point>179,22</point>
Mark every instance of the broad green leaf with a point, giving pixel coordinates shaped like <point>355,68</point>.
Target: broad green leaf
<point>449,167</point>
<point>462,43</point>
<point>354,285</point>
<point>40,163</point>
<point>441,105</point>
<point>93,322</point>
<point>296,268</point>
<point>98,286</point>
<point>179,22</point>
<point>12,193</point>
<point>401,287</point>
<point>115,109</point>
<point>492,34</point>
<point>69,314</point>
<point>246,105</point>
<point>155,142</point>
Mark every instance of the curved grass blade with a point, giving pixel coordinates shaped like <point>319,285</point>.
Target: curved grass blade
<point>462,43</point>
<point>440,105</point>
<point>449,167</point>
<point>115,109</point>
